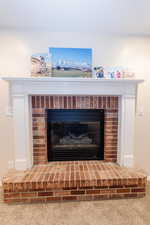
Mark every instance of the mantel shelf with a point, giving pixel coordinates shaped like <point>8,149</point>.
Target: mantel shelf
<point>27,86</point>
<point>64,79</point>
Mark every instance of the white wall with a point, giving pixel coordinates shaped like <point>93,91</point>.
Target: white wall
<point>134,52</point>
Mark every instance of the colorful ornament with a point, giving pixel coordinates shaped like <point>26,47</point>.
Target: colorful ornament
<point>99,72</point>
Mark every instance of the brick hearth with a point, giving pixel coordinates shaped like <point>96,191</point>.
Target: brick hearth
<point>41,103</point>
<point>79,180</point>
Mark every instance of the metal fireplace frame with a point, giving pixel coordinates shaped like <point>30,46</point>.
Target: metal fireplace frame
<point>75,115</point>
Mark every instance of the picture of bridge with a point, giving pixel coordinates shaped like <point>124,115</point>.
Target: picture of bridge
<point>71,62</point>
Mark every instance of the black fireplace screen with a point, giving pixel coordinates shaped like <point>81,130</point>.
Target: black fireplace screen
<point>75,134</point>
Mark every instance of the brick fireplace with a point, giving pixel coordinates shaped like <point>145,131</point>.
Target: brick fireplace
<point>35,179</point>
<point>41,103</point>
<point>29,97</point>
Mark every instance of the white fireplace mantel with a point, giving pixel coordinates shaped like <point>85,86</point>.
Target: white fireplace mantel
<point>20,107</point>
<point>72,86</point>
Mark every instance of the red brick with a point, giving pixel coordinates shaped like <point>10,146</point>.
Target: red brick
<point>33,101</point>
<point>70,188</point>
<point>130,195</point>
<point>45,193</point>
<point>92,191</point>
<point>138,190</point>
<point>123,190</point>
<point>84,197</point>
<point>100,197</point>
<point>10,201</point>
<point>53,199</point>
<point>37,200</point>
<point>38,137</point>
<point>62,193</point>
<point>28,194</point>
<point>72,198</point>
<point>141,195</point>
<point>11,195</point>
<point>37,101</point>
<point>117,196</point>
<point>39,145</point>
<point>77,192</point>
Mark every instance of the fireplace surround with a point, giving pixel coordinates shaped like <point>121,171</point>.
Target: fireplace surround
<point>24,91</point>
<point>103,106</point>
<point>42,133</point>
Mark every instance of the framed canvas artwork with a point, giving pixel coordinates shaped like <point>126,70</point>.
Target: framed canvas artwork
<point>71,62</point>
<point>41,65</point>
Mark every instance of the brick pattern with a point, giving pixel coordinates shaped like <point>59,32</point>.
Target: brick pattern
<point>78,180</point>
<point>40,103</point>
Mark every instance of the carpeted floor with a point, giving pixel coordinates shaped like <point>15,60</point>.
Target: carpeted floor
<point>108,212</point>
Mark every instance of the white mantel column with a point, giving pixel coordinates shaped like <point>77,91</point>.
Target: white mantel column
<point>22,150</point>
<point>126,130</point>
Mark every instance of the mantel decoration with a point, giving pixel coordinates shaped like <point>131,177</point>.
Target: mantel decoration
<point>73,62</point>
<point>63,62</point>
<point>113,72</point>
<point>41,65</point>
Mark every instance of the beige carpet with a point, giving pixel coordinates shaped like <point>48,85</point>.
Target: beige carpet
<point>108,212</point>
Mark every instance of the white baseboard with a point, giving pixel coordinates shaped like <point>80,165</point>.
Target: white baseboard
<point>128,161</point>
<point>20,164</point>
<point>148,178</point>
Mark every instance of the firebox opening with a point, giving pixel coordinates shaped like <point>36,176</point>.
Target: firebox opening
<point>75,134</point>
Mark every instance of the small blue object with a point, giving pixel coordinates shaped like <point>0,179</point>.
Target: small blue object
<point>100,74</point>
<point>112,75</point>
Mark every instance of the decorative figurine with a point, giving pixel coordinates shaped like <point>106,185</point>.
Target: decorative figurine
<point>117,74</point>
<point>112,75</point>
<point>99,72</point>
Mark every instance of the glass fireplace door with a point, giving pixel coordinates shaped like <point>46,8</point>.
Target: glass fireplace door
<point>75,138</point>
